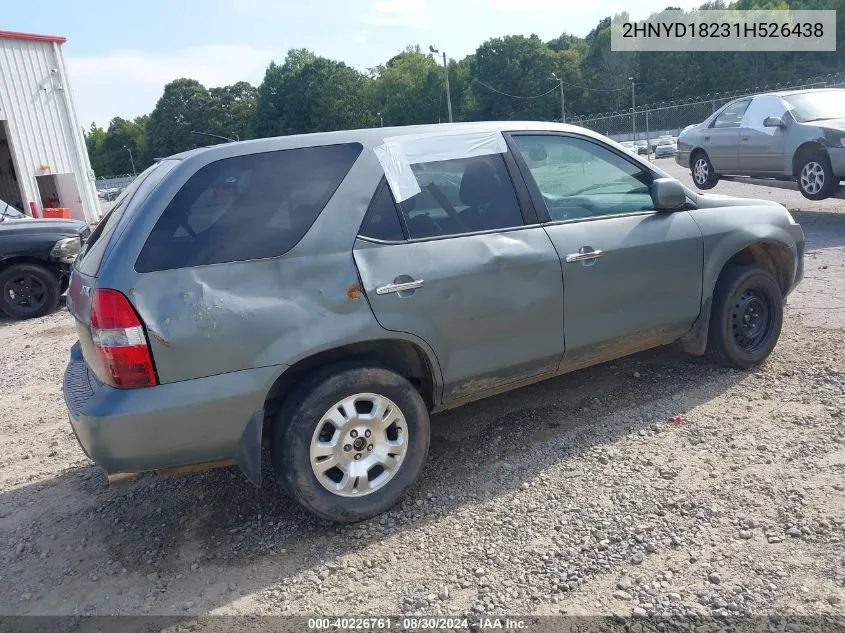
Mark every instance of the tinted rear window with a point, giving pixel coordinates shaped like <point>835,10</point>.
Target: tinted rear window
<point>91,258</point>
<point>246,207</point>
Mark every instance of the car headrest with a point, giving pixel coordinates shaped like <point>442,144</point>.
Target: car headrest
<point>480,184</point>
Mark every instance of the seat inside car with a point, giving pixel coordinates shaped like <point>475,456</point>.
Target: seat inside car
<point>491,204</point>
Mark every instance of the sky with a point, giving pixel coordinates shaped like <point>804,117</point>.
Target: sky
<point>121,54</point>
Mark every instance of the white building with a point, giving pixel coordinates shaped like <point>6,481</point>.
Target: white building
<point>43,157</point>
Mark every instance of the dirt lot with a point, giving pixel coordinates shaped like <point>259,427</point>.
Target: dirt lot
<point>580,495</point>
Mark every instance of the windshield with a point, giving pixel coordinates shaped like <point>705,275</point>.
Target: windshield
<point>10,212</point>
<point>817,106</point>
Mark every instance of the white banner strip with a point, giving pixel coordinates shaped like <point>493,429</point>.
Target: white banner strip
<point>398,153</point>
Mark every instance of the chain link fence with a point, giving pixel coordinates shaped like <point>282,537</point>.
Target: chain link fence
<point>109,187</point>
<point>650,121</point>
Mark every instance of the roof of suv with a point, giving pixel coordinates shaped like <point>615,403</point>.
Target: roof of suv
<point>370,137</point>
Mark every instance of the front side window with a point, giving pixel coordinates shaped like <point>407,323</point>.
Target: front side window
<point>732,115</point>
<point>246,207</point>
<point>463,195</point>
<point>580,179</point>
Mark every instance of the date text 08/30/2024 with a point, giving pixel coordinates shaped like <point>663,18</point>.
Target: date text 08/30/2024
<point>415,624</point>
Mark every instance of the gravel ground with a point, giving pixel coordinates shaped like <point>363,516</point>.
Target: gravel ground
<point>582,495</point>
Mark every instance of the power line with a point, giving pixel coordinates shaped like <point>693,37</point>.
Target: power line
<point>492,89</point>
<point>565,83</point>
<point>587,88</point>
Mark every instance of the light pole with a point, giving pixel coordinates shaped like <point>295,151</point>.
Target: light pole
<point>131,160</point>
<point>434,51</point>
<point>380,119</point>
<point>562,99</point>
<point>633,108</point>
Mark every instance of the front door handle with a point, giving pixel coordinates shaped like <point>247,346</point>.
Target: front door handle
<point>744,138</point>
<point>401,287</point>
<point>583,255</point>
<point>706,138</point>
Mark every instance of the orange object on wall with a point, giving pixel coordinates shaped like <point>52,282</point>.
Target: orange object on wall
<point>51,212</point>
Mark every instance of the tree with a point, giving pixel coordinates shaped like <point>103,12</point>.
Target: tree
<point>509,75</point>
<point>231,108</point>
<point>94,138</point>
<point>121,138</point>
<point>310,94</point>
<point>183,108</point>
<point>409,89</point>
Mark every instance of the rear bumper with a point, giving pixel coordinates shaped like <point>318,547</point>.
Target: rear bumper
<point>176,424</point>
<point>682,158</point>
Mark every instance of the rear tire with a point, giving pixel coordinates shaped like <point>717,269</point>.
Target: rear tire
<point>816,180</point>
<point>350,443</point>
<point>702,171</point>
<point>28,291</point>
<point>746,318</point>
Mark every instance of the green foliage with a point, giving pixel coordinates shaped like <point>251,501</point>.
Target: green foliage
<point>182,109</point>
<point>506,78</point>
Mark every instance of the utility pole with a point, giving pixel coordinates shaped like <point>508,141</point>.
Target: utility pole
<point>446,75</point>
<point>562,99</point>
<point>633,108</point>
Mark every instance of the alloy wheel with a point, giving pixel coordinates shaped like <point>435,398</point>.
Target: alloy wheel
<point>700,171</point>
<point>358,445</point>
<point>812,177</point>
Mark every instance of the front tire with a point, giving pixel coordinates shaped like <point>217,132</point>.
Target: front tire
<point>703,174</point>
<point>28,291</point>
<point>746,318</point>
<point>350,443</point>
<point>816,180</point>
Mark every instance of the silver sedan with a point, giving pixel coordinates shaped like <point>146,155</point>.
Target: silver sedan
<point>792,135</point>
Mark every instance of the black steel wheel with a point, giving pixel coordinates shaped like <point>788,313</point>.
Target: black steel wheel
<point>28,291</point>
<point>746,317</point>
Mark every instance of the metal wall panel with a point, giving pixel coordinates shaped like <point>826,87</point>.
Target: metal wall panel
<point>35,100</point>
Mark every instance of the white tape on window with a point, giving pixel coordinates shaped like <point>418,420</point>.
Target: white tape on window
<point>398,153</point>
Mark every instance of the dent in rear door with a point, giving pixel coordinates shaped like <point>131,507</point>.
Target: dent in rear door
<point>491,305</point>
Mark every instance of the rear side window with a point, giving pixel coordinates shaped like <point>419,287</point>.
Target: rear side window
<point>382,220</point>
<point>246,207</point>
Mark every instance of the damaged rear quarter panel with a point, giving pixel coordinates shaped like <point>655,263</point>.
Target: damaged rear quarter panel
<point>226,317</point>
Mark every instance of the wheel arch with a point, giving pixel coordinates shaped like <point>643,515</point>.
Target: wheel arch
<point>806,148</point>
<point>26,259</point>
<point>773,255</point>
<point>695,152</point>
<point>407,358</point>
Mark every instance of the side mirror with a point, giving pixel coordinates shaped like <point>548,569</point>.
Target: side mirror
<point>773,121</point>
<point>668,194</point>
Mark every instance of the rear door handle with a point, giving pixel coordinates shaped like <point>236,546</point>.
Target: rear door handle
<point>583,256</point>
<point>706,138</point>
<point>744,138</point>
<point>408,285</point>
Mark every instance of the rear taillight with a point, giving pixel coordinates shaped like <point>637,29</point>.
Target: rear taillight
<point>120,340</point>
